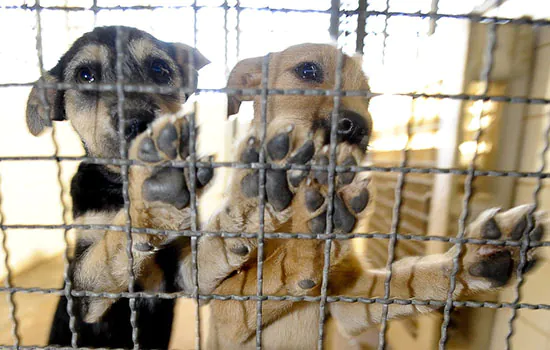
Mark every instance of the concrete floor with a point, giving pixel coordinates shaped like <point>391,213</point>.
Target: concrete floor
<point>34,311</point>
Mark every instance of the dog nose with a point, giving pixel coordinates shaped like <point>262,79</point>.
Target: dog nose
<point>136,122</point>
<point>352,128</point>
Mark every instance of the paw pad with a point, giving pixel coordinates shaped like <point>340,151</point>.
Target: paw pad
<point>167,185</point>
<point>306,284</point>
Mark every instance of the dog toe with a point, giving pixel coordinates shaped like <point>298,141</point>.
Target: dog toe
<point>147,151</point>
<point>167,185</point>
<point>321,175</point>
<point>313,199</point>
<point>249,185</point>
<point>250,153</point>
<point>342,219</point>
<point>204,175</point>
<point>278,146</point>
<point>359,202</point>
<point>306,284</point>
<point>167,140</point>
<point>278,193</point>
<point>497,267</point>
<point>346,178</point>
<point>303,154</point>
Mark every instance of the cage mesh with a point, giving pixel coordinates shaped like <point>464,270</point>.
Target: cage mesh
<point>337,14</point>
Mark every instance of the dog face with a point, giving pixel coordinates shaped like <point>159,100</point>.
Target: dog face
<point>307,66</point>
<point>94,114</point>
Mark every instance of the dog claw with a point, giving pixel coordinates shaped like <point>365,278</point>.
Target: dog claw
<point>147,151</point>
<point>358,203</point>
<point>168,186</point>
<point>166,141</point>
<point>313,199</point>
<point>278,147</point>
<point>278,193</point>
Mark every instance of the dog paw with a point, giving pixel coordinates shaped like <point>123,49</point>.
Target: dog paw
<point>165,140</point>
<point>497,264</point>
<point>351,194</point>
<point>304,189</point>
<point>279,150</point>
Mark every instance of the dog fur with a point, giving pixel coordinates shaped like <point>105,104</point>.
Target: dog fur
<point>298,129</point>
<point>97,191</point>
<point>297,203</point>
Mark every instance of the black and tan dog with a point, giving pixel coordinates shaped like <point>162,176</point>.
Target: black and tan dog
<point>96,190</point>
<point>297,133</point>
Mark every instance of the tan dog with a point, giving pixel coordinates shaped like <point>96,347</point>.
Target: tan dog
<point>297,133</point>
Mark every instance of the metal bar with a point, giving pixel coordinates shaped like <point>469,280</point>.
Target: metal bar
<point>525,239</point>
<point>123,149</point>
<point>396,217</point>
<point>261,199</point>
<point>284,235</point>
<point>330,299</point>
<point>192,188</point>
<point>154,89</point>
<point>361,31</point>
<point>485,77</point>
<point>8,281</point>
<point>339,168</point>
<point>472,16</point>
<point>47,110</point>
<point>334,33</point>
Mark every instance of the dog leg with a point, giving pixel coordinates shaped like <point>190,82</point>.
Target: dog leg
<point>482,268</point>
<point>159,199</point>
<point>295,267</point>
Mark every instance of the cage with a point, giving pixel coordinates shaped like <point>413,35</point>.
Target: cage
<point>459,95</point>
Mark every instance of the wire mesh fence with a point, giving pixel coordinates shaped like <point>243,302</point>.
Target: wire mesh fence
<point>337,15</point>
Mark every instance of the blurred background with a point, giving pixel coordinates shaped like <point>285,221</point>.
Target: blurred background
<point>401,55</point>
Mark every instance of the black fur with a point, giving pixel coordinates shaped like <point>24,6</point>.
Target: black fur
<point>95,188</point>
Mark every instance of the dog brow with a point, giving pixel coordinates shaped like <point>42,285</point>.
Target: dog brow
<point>88,54</point>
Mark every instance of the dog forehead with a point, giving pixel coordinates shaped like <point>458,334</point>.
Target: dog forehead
<point>86,54</point>
<point>143,48</point>
<point>325,54</point>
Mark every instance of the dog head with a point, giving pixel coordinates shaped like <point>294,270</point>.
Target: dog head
<point>94,114</point>
<point>306,66</point>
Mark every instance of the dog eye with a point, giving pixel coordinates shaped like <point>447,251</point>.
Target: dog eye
<point>85,75</point>
<point>309,71</point>
<point>160,71</point>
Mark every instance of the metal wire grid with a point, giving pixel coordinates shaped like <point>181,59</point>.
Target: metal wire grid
<point>120,87</point>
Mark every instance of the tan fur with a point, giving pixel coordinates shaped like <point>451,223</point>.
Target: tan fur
<point>294,325</point>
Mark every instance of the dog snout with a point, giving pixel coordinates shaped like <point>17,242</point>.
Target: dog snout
<point>352,128</point>
<point>136,122</point>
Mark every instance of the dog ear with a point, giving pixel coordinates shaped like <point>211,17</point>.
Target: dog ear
<point>247,74</point>
<point>186,56</point>
<point>37,116</point>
